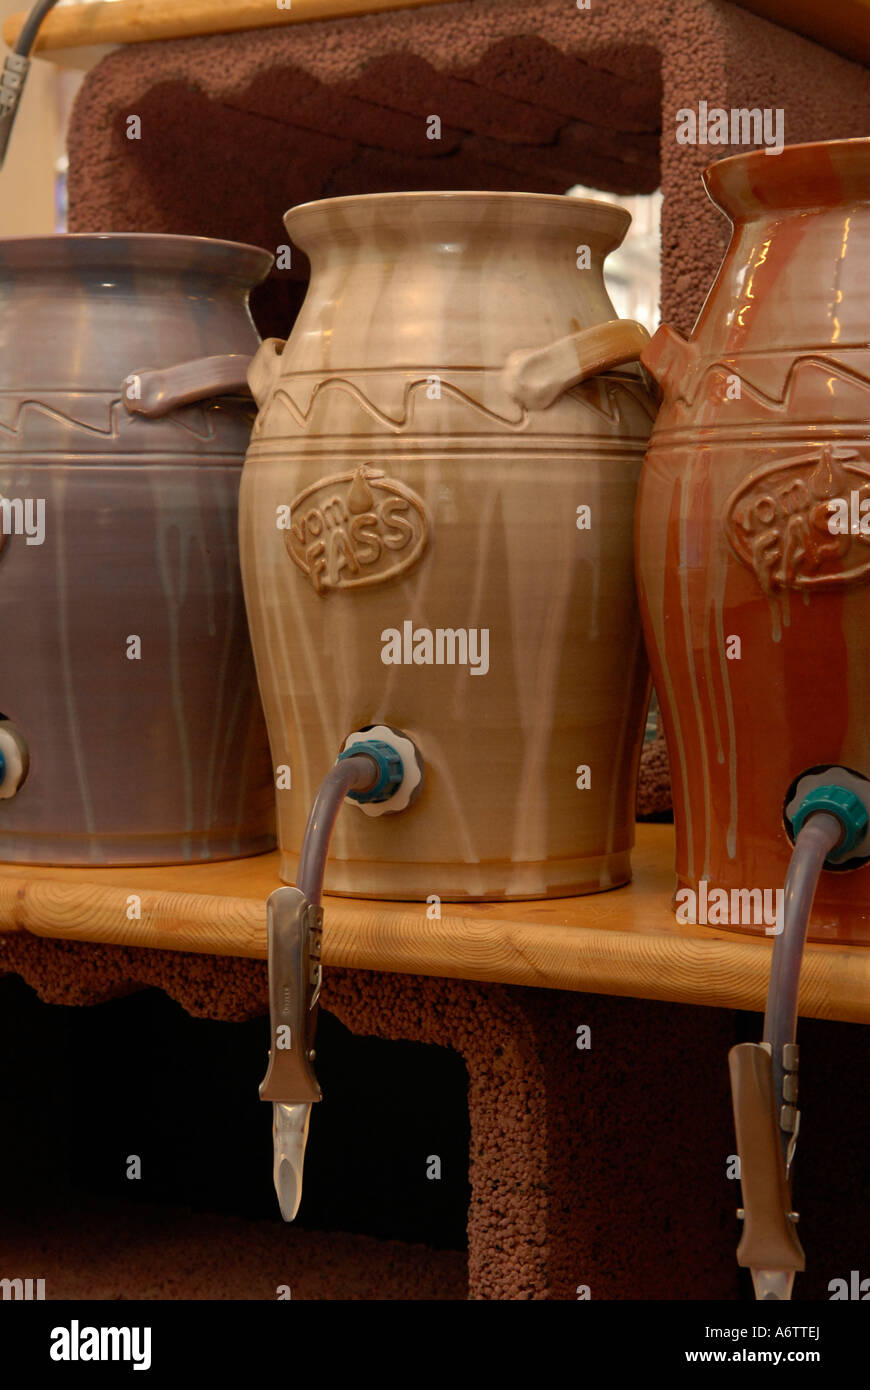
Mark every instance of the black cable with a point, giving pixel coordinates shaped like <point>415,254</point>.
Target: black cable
<point>15,70</point>
<point>30,28</point>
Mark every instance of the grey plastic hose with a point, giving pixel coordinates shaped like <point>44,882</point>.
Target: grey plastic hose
<point>30,28</point>
<point>819,836</point>
<point>15,69</point>
<point>351,774</point>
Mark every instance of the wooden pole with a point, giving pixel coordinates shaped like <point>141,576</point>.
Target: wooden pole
<point>99,22</point>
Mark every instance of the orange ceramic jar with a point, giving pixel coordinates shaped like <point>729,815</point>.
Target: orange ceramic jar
<point>755,596</point>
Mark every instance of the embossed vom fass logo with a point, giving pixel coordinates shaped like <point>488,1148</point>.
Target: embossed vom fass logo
<point>778,521</point>
<point>354,529</point>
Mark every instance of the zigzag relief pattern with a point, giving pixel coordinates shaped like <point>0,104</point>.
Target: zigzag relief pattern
<point>98,415</point>
<point>780,401</point>
<point>611,390</point>
<point>405,418</point>
<point>600,396</point>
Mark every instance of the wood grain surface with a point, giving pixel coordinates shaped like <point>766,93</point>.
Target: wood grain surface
<point>138,21</point>
<point>624,942</point>
<point>841,25</point>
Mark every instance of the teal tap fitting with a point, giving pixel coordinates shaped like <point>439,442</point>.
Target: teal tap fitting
<point>387,759</point>
<point>842,803</point>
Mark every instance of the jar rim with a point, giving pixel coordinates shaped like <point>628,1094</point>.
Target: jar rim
<point>545,213</point>
<point>817,174</point>
<point>238,262</point>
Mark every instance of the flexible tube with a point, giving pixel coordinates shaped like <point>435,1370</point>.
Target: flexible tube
<point>351,774</point>
<point>819,836</point>
<point>15,69</point>
<point>30,28</point>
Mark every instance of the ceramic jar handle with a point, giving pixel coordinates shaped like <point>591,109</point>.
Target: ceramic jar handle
<point>669,357</point>
<point>265,369</point>
<point>157,392</point>
<point>536,378</point>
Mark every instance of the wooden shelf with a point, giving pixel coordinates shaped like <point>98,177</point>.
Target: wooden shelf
<point>841,25</point>
<point>95,23</point>
<point>624,942</point>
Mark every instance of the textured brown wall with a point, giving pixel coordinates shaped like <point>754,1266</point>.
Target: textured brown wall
<point>532,97</point>
<point>605,1167</point>
<point>584,1170</point>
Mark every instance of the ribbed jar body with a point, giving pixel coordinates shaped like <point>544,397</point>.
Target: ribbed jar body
<point>756,612</point>
<point>415,552</point>
<point>124,655</point>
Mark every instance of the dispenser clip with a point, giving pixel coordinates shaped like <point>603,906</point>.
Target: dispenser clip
<point>294,927</point>
<point>769,1245</point>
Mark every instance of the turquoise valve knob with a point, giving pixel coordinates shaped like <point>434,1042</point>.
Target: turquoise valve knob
<point>14,759</point>
<point>390,767</point>
<point>849,810</point>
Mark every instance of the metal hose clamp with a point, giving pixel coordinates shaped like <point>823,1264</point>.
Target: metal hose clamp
<point>15,70</point>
